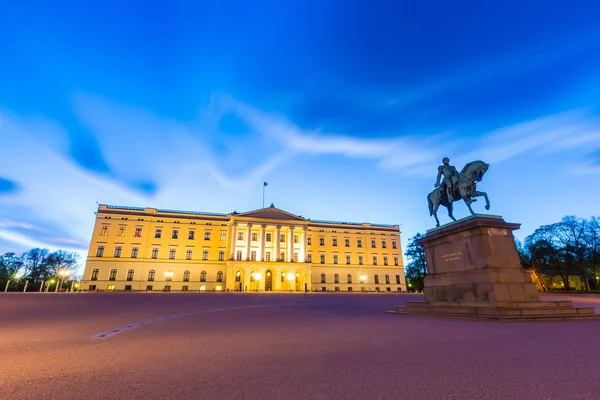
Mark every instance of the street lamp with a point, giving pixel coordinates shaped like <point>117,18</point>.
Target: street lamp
<point>15,277</point>
<point>63,273</point>
<point>290,278</point>
<point>363,278</point>
<point>168,277</point>
<point>50,282</point>
<point>257,277</point>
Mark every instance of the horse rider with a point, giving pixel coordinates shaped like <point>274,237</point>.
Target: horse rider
<point>450,177</point>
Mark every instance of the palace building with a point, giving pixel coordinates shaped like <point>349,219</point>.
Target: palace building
<point>149,249</point>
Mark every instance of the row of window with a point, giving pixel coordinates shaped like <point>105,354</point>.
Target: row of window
<point>336,279</point>
<point>112,276</point>
<point>349,259</point>
<point>240,236</point>
<point>155,251</point>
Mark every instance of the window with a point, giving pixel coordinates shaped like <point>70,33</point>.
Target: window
<point>295,238</point>
<point>151,276</point>
<point>282,277</point>
<point>203,276</point>
<point>321,241</point>
<point>347,242</point>
<point>104,230</point>
<point>186,276</point>
<point>188,254</point>
<point>191,234</point>
<point>184,288</point>
<point>336,278</point>
<point>206,235</point>
<point>240,236</point>
<point>350,288</point>
<point>322,258</point>
<point>253,255</point>
<point>138,232</point>
<point>149,288</point>
<point>95,273</point>
<point>359,243</point>
<point>334,241</point>
<point>295,257</point>
<point>221,255</point>
<point>383,244</point>
<point>268,256</point>
<point>121,231</point>
<point>238,255</point>
<point>376,279</point>
<point>223,236</point>
<point>172,254</point>
<point>337,288</point>
<point>347,258</point>
<point>238,276</point>
<point>309,257</point>
<point>175,234</point>
<point>168,276</point>
<point>282,238</point>
<point>385,260</point>
<point>395,260</point>
<point>252,277</point>
<point>219,276</point>
<point>323,278</point>
<point>282,256</point>
<point>335,258</point>
<point>134,251</point>
<point>118,250</point>
<point>309,241</point>
<point>154,252</point>
<point>397,279</point>
<point>130,273</point>
<point>373,243</point>
<point>100,251</point>
<point>92,287</point>
<point>387,279</point>
<point>349,278</point>
<point>394,245</point>
<point>360,260</point>
<point>268,239</point>
<point>110,287</point>
<point>158,233</point>
<point>113,275</point>
<point>205,255</point>
<point>374,260</point>
<point>254,236</point>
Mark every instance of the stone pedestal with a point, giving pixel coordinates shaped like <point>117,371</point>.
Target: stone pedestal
<point>474,272</point>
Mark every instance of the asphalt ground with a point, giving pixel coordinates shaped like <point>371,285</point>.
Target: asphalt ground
<point>282,346</point>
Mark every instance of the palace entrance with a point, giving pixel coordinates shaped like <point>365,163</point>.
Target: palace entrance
<point>269,281</point>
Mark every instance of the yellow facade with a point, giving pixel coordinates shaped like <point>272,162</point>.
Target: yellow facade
<point>148,249</point>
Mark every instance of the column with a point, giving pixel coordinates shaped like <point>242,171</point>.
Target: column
<point>249,233</point>
<point>277,242</point>
<point>305,241</point>
<point>262,242</point>
<point>291,245</point>
<point>233,238</point>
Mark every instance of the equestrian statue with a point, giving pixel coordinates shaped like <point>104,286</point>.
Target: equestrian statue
<point>457,185</point>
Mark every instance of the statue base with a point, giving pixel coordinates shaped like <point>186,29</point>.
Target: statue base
<point>474,272</point>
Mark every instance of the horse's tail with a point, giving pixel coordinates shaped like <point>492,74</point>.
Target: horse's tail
<point>430,205</point>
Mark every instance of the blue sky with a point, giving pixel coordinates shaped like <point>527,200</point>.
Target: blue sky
<point>345,108</point>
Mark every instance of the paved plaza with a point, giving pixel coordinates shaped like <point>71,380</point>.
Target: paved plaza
<point>282,346</point>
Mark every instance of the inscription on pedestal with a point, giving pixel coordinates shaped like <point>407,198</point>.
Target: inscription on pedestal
<point>451,256</point>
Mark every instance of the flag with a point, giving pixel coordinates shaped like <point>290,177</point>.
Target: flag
<point>264,183</point>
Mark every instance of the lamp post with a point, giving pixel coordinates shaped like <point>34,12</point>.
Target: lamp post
<point>257,277</point>
<point>63,273</point>
<point>290,278</point>
<point>363,278</point>
<point>14,278</point>
<point>50,282</point>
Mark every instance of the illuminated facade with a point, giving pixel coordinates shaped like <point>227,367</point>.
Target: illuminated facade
<point>148,249</point>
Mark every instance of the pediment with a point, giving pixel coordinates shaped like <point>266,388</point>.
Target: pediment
<point>271,213</point>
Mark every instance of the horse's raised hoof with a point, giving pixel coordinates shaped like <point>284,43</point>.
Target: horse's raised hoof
<point>487,206</point>
<point>438,225</point>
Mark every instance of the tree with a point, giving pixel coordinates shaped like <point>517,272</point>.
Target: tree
<point>36,265</point>
<point>416,270</point>
<point>592,243</point>
<point>527,261</point>
<point>10,264</point>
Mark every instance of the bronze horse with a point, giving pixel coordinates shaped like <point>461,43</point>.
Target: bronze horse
<point>465,188</point>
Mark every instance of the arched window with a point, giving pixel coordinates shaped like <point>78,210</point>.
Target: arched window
<point>336,278</point>
<point>238,276</point>
<point>252,276</point>
<point>349,278</point>
<point>322,278</point>
<point>186,276</point>
<point>203,276</point>
<point>151,275</point>
<point>219,276</point>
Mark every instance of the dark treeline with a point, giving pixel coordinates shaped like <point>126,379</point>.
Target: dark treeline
<point>570,247</point>
<point>36,267</point>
